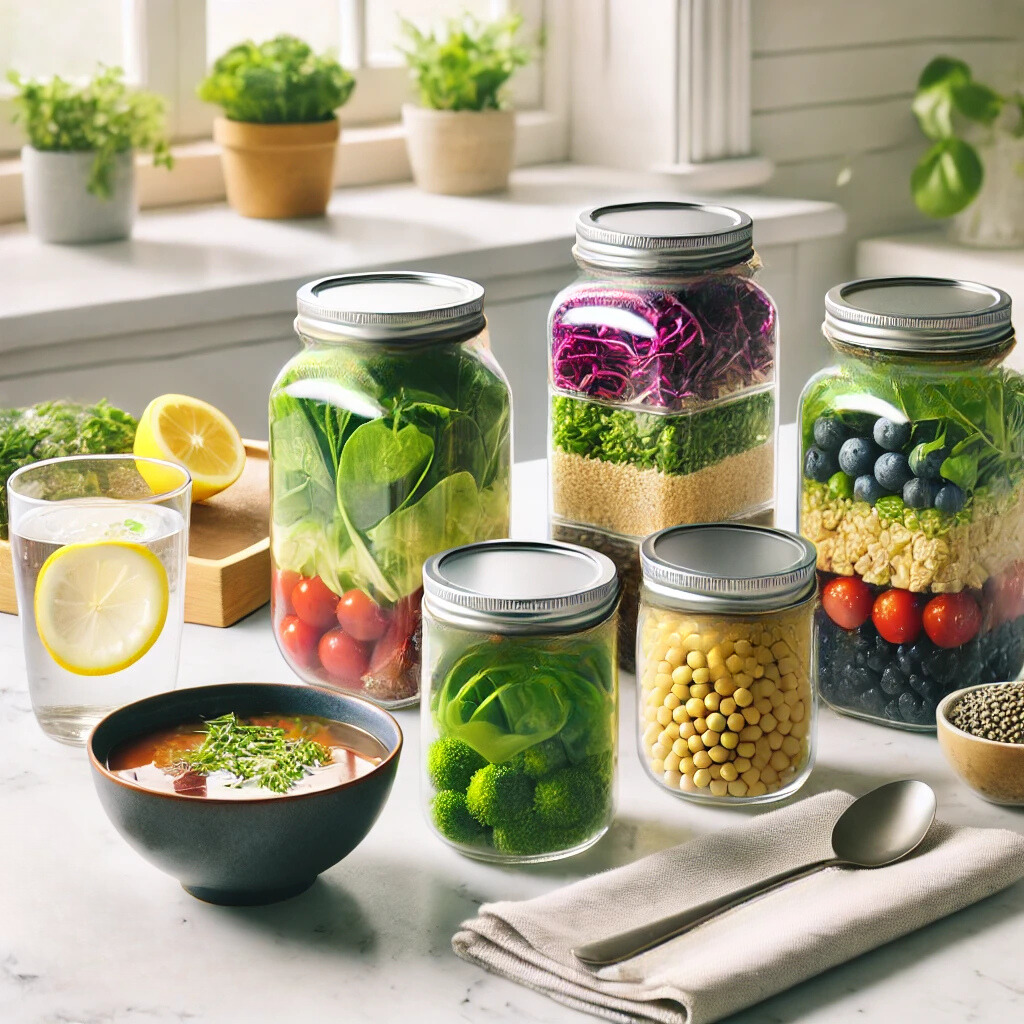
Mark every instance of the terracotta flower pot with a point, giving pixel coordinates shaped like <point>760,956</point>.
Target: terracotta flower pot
<point>278,170</point>
<point>459,152</point>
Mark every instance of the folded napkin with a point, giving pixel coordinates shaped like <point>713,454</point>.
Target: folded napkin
<point>746,954</point>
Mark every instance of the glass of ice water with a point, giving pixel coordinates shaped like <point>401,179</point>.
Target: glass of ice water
<point>99,545</point>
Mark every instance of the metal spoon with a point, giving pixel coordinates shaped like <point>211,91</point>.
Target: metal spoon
<point>879,828</point>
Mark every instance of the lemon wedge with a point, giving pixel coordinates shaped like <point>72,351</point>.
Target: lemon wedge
<point>194,434</point>
<point>100,605</point>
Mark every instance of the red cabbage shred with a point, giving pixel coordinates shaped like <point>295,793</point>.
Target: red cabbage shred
<point>711,337</point>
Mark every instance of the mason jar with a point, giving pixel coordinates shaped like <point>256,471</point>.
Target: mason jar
<point>912,490</point>
<point>725,662</point>
<point>520,698</point>
<point>390,440</point>
<point>662,382</point>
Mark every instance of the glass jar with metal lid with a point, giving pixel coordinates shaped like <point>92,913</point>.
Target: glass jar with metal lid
<point>725,662</point>
<point>912,489</point>
<point>520,698</point>
<point>389,441</point>
<point>662,382</point>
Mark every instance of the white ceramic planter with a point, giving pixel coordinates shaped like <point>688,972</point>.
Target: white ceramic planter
<point>995,220</point>
<point>59,207</point>
<point>459,152</point>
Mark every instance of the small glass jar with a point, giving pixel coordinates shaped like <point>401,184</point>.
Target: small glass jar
<point>662,382</point>
<point>912,490</point>
<point>390,440</point>
<point>520,698</point>
<point>725,662</point>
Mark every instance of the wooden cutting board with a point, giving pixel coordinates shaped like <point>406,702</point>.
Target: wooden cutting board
<point>228,572</point>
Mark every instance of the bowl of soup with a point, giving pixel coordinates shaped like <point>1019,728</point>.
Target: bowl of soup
<point>245,792</point>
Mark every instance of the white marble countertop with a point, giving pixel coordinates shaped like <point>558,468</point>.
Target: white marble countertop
<point>92,934</point>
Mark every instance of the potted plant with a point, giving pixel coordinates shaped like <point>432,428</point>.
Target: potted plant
<point>974,170</point>
<point>461,136</point>
<point>78,170</point>
<point>279,132</point>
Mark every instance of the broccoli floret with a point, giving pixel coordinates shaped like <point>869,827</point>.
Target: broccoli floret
<point>544,758</point>
<point>452,817</point>
<point>601,766</point>
<point>451,764</point>
<point>498,794</point>
<point>525,836</point>
<point>573,798</point>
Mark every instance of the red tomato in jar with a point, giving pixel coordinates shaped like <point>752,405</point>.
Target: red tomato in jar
<point>897,616</point>
<point>314,602</point>
<point>284,582</point>
<point>847,601</point>
<point>360,616</point>
<point>395,652</point>
<point>298,640</point>
<point>343,657</point>
<point>952,619</point>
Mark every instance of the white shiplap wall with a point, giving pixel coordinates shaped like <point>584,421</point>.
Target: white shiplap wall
<point>832,84</point>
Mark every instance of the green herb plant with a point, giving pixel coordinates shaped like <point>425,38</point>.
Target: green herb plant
<point>280,81</point>
<point>104,116</point>
<point>465,66</point>
<point>253,753</point>
<point>949,176</point>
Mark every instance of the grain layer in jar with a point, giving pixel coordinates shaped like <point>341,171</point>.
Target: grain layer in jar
<point>519,699</point>
<point>725,662</point>
<point>912,490</point>
<point>661,380</point>
<point>390,440</point>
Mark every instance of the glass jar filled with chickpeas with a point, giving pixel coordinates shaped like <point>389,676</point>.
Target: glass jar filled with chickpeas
<point>725,662</point>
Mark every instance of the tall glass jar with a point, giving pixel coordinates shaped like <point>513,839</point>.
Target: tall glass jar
<point>725,662</point>
<point>912,489</point>
<point>390,440</point>
<point>520,698</point>
<point>662,382</point>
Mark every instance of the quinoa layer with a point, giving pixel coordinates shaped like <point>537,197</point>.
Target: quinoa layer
<point>852,538</point>
<point>636,502</point>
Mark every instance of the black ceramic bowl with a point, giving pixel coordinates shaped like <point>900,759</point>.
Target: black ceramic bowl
<point>244,852</point>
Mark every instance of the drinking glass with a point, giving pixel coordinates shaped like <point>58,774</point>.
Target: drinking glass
<point>99,544</point>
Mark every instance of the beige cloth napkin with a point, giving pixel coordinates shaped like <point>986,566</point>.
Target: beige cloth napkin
<point>751,952</point>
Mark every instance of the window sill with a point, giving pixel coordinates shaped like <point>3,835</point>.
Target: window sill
<point>366,156</point>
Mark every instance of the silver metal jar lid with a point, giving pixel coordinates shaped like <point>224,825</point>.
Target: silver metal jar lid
<point>663,236</point>
<point>729,566</point>
<point>392,306</point>
<point>925,315</point>
<point>516,586</point>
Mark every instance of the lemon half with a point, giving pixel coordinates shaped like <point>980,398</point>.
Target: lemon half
<point>100,605</point>
<point>194,434</point>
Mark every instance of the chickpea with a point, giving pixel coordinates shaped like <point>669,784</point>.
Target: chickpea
<point>728,706</point>
<point>671,701</point>
<point>682,675</point>
<point>757,789</point>
<point>702,759</point>
<point>729,772</point>
<point>663,716</point>
<point>674,656</point>
<point>741,764</point>
<point>659,751</point>
<point>695,659</point>
<point>718,787</point>
<point>734,663</point>
<point>745,749</point>
<point>751,716</point>
<point>695,707</point>
<point>679,716</point>
<point>775,740</point>
<point>702,778</point>
<point>710,738</point>
<point>672,762</point>
<point>694,744</point>
<point>700,724</point>
<point>737,788</point>
<point>736,722</point>
<point>699,690</point>
<point>686,730</point>
<point>712,701</point>
<point>672,779</point>
<point>768,722</point>
<point>779,761</point>
<point>680,747</point>
<point>716,722</point>
<point>686,766</point>
<point>743,697</point>
<point>718,754</point>
<point>729,740</point>
<point>701,676</point>
<point>791,746</point>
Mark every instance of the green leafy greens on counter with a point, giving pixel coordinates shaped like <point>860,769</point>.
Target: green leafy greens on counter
<point>675,445</point>
<point>49,430</point>
<point>371,477</point>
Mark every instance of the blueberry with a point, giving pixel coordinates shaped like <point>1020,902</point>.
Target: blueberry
<point>891,436</point>
<point>867,488</point>
<point>950,498</point>
<point>872,701</point>
<point>919,493</point>
<point>818,464</point>
<point>829,433</point>
<point>911,709</point>
<point>892,682</point>
<point>857,456</point>
<point>927,466</point>
<point>892,471</point>
<point>892,711</point>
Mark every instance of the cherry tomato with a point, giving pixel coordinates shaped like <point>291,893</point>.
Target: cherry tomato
<point>314,602</point>
<point>343,657</point>
<point>897,616</point>
<point>847,601</point>
<point>952,619</point>
<point>299,640</point>
<point>285,581</point>
<point>360,616</point>
<point>395,652</point>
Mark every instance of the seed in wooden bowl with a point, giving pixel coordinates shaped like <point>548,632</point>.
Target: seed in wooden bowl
<point>994,712</point>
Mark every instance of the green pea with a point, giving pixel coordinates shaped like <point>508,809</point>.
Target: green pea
<point>840,485</point>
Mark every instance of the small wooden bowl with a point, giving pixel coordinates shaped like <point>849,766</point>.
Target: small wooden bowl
<point>995,771</point>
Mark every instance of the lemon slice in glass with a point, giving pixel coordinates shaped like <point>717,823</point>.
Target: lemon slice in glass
<point>194,434</point>
<point>100,605</point>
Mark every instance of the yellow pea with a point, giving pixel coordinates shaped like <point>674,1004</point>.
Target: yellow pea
<point>680,747</point>
<point>702,676</point>
<point>695,707</point>
<point>682,675</point>
<point>737,788</point>
<point>702,778</point>
<point>791,746</point>
<point>729,772</point>
<point>702,759</point>
<point>719,787</point>
<point>743,697</point>
<point>736,721</point>
<point>694,744</point>
<point>729,740</point>
<point>712,700</point>
<point>718,754</point>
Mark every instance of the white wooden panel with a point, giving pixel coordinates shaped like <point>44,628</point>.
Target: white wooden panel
<point>786,25</point>
<point>782,80</point>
